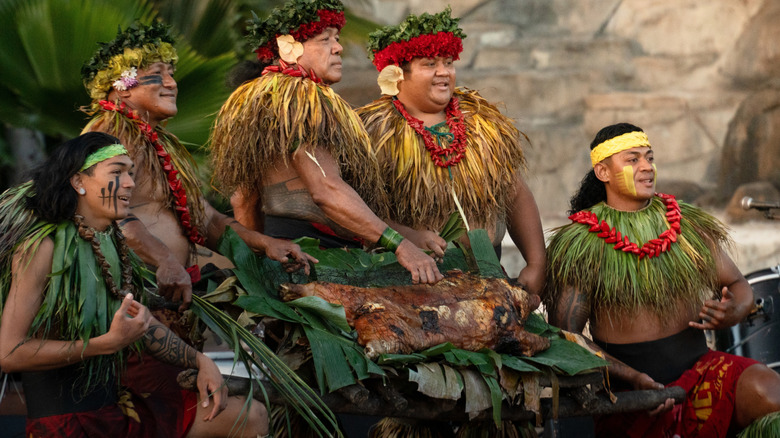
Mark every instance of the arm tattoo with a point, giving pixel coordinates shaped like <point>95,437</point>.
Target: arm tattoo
<point>164,345</point>
<point>281,201</point>
<point>573,310</point>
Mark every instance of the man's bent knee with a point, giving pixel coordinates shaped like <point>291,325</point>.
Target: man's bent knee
<point>758,394</point>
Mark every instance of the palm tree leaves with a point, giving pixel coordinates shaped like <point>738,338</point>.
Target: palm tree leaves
<point>45,43</point>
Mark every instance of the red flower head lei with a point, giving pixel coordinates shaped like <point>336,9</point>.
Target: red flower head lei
<point>179,194</point>
<point>302,19</point>
<point>416,37</point>
<point>653,248</point>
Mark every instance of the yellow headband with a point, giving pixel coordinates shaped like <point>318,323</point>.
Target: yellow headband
<point>617,144</point>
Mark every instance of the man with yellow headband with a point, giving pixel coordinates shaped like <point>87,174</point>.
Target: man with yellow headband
<point>443,149</point>
<point>649,274</point>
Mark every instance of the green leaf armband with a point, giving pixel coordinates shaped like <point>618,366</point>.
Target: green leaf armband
<point>390,239</point>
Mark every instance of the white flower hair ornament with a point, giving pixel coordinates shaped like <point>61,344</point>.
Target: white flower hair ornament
<point>289,49</point>
<point>388,79</point>
<point>127,80</point>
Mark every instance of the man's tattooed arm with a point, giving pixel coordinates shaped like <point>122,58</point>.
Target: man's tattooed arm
<point>572,310</point>
<point>165,346</point>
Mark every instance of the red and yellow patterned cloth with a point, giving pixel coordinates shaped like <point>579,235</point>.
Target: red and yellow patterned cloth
<point>706,412</point>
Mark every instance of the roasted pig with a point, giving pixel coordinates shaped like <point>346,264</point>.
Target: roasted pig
<point>469,311</point>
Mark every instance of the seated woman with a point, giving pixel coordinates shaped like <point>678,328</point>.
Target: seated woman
<point>69,287</point>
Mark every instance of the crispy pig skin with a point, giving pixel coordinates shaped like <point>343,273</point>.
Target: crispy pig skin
<point>469,311</point>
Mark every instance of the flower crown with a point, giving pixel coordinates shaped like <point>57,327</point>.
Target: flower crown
<point>302,19</point>
<point>115,62</point>
<point>417,36</point>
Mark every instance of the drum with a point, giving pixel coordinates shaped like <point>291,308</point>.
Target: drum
<point>757,335</point>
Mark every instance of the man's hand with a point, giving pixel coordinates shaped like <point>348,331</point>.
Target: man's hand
<point>532,278</point>
<point>644,382</point>
<point>288,254</point>
<point>422,267</point>
<point>430,241</point>
<point>211,384</point>
<point>174,283</point>
<point>716,314</point>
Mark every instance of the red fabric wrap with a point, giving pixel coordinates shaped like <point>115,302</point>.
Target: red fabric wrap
<point>105,422</point>
<point>706,412</point>
<point>167,412</point>
<point>156,391</point>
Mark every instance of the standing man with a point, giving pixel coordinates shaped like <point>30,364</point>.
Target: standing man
<point>442,149</point>
<point>293,152</point>
<point>649,274</point>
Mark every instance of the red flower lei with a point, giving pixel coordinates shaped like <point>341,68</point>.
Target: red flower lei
<point>457,149</point>
<point>179,194</point>
<point>651,249</point>
<point>422,46</point>
<point>295,71</point>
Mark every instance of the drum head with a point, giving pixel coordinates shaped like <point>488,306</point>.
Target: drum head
<point>756,336</point>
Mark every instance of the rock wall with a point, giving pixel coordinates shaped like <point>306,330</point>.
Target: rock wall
<point>701,78</point>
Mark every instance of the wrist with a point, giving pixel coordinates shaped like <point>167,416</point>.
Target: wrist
<point>390,239</point>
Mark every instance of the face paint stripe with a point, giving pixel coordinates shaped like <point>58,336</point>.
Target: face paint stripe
<point>116,193</point>
<point>626,179</point>
<point>150,80</point>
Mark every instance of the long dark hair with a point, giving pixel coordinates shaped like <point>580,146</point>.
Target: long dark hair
<point>592,190</point>
<point>54,199</point>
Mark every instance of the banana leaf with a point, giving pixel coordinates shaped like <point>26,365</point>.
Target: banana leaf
<point>339,361</point>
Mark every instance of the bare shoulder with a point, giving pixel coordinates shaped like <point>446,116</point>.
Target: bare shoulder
<point>34,258</point>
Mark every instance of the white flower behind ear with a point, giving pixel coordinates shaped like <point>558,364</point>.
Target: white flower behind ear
<point>127,80</point>
<point>388,79</point>
<point>289,49</point>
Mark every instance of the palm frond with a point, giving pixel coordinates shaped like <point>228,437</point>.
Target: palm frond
<point>766,426</point>
<point>257,355</point>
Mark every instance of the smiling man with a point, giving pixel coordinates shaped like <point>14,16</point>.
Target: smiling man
<point>292,153</point>
<point>649,274</point>
<point>443,149</point>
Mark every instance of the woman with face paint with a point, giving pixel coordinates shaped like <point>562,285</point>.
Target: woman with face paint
<point>70,303</point>
<point>650,274</point>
